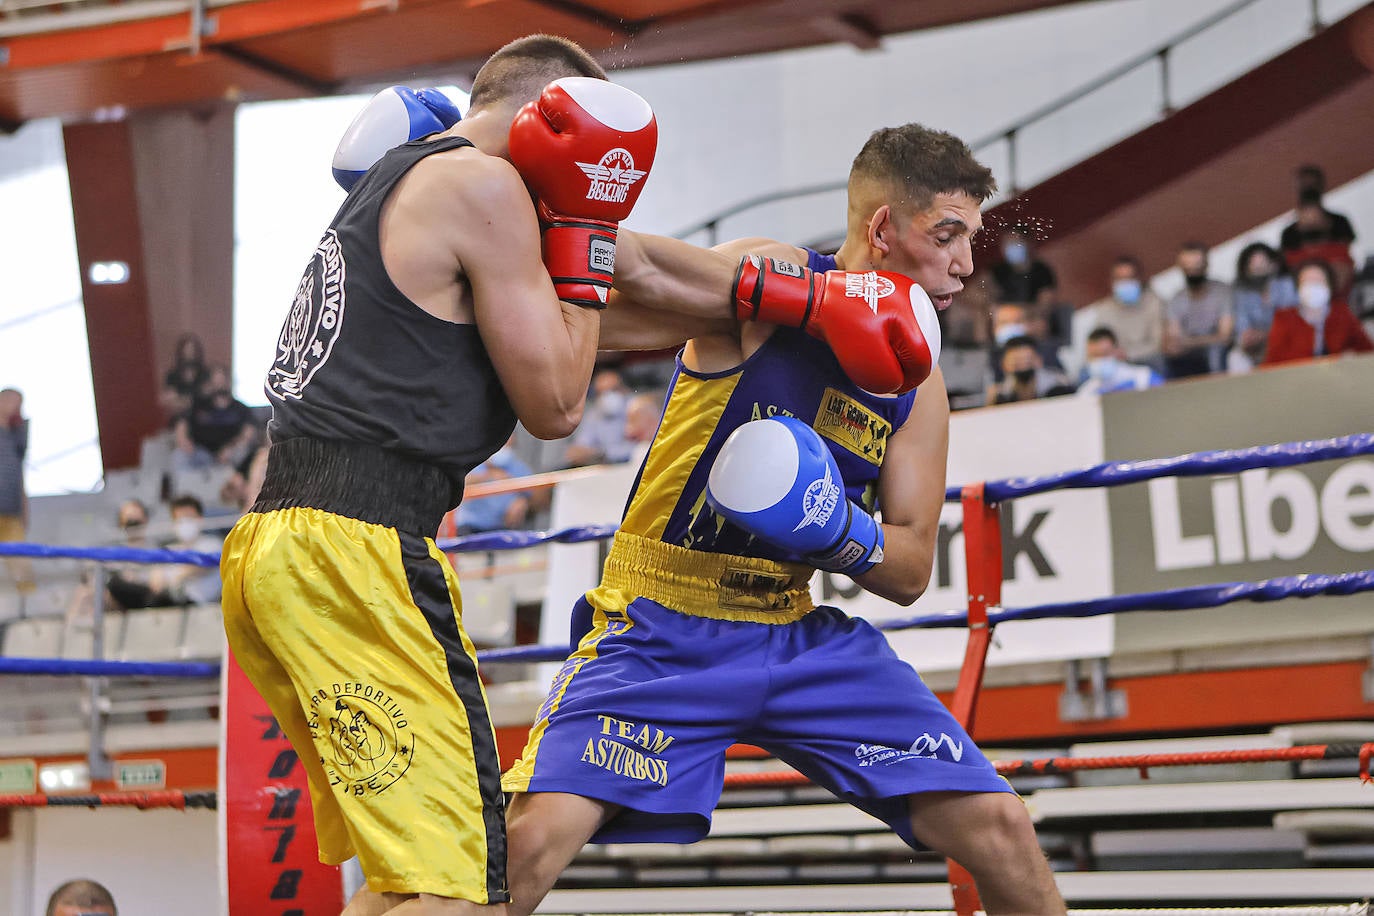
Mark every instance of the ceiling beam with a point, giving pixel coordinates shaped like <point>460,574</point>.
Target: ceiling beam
<point>852,28</point>
<point>593,16</point>
<point>307,84</point>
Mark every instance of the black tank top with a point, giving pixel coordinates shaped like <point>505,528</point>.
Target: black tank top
<point>359,362</point>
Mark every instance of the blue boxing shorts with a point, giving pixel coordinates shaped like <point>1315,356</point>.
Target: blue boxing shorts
<point>643,711</point>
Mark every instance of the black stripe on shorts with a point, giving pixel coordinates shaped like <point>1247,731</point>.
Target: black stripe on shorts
<point>429,588</point>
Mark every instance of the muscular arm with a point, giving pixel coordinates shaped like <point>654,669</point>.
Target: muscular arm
<point>911,492</point>
<point>668,291</point>
<point>543,349</point>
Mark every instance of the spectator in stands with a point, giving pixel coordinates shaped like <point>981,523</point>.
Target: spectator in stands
<point>1362,293</point>
<point>600,437</point>
<point>81,897</point>
<point>1321,324</point>
<point>1026,377</point>
<point>1262,285</point>
<point>1133,313</point>
<point>240,490</point>
<point>186,377</point>
<point>501,511</point>
<point>14,502</point>
<point>1317,233</point>
<point>129,585</point>
<point>641,422</point>
<point>1011,320</point>
<point>187,584</point>
<point>217,430</point>
<point>1108,370</point>
<point>1200,321</point>
<point>1021,276</point>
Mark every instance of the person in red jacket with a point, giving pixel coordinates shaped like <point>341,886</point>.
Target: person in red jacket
<point>1320,325</point>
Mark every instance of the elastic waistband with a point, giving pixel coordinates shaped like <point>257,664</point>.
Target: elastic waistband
<point>358,481</point>
<point>702,584</point>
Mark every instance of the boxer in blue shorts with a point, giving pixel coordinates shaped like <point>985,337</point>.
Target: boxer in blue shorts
<point>769,464</point>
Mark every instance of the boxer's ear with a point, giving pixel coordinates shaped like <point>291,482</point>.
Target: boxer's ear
<point>880,229</point>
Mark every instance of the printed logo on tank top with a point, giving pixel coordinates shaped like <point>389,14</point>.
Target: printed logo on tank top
<point>852,426</point>
<point>312,327</point>
<point>612,177</point>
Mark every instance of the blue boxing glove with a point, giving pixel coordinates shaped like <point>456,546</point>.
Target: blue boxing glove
<point>392,117</point>
<point>776,479</point>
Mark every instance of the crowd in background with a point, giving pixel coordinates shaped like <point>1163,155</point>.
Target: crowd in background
<point>1300,300</point>
<point>1013,338</point>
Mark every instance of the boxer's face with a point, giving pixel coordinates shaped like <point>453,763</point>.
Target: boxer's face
<point>934,247</point>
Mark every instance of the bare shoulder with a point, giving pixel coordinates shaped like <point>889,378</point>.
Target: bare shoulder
<point>768,248</point>
<point>469,178</point>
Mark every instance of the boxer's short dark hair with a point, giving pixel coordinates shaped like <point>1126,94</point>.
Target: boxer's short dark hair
<point>519,71</point>
<point>918,163</point>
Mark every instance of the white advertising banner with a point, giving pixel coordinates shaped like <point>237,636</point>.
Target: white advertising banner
<point>1057,545</point>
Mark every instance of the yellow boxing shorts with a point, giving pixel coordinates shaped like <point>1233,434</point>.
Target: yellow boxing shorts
<point>351,631</point>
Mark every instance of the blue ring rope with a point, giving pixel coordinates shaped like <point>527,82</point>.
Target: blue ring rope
<point>1174,599</point>
<point>1101,475</point>
<point>1197,464</point>
<point>1109,474</point>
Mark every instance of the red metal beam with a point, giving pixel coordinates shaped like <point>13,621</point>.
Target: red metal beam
<point>105,212</point>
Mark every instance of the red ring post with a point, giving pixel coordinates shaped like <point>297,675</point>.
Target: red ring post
<point>983,564</point>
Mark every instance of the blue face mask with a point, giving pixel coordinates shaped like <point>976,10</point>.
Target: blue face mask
<point>1016,252</point>
<point>1127,292</point>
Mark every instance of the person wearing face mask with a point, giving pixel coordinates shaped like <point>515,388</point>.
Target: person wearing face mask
<point>1026,377</point>
<point>1108,370</point>
<point>185,378</point>
<point>1021,276</point>
<point>600,437</point>
<point>1316,233</point>
<point>14,501</point>
<point>502,511</point>
<point>1200,321</point>
<point>1133,313</point>
<point>185,584</point>
<point>1320,325</point>
<point>1262,285</point>
<point>217,430</point>
<point>1009,322</point>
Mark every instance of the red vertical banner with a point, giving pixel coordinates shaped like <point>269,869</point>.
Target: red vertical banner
<point>267,827</point>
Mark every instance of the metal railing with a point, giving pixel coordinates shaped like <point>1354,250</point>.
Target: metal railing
<point>1160,56</point>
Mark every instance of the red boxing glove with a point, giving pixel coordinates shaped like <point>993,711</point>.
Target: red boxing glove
<point>881,326</point>
<point>583,147</point>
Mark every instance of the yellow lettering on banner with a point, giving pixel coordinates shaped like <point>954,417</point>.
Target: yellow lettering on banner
<point>660,741</point>
<point>606,724</point>
<point>626,728</point>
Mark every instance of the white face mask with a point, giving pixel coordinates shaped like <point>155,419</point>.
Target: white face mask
<point>612,403</point>
<point>1008,331</point>
<point>1103,368</point>
<point>1315,299</point>
<point>187,529</point>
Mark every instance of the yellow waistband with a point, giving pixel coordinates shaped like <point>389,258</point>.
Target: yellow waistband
<point>704,584</point>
